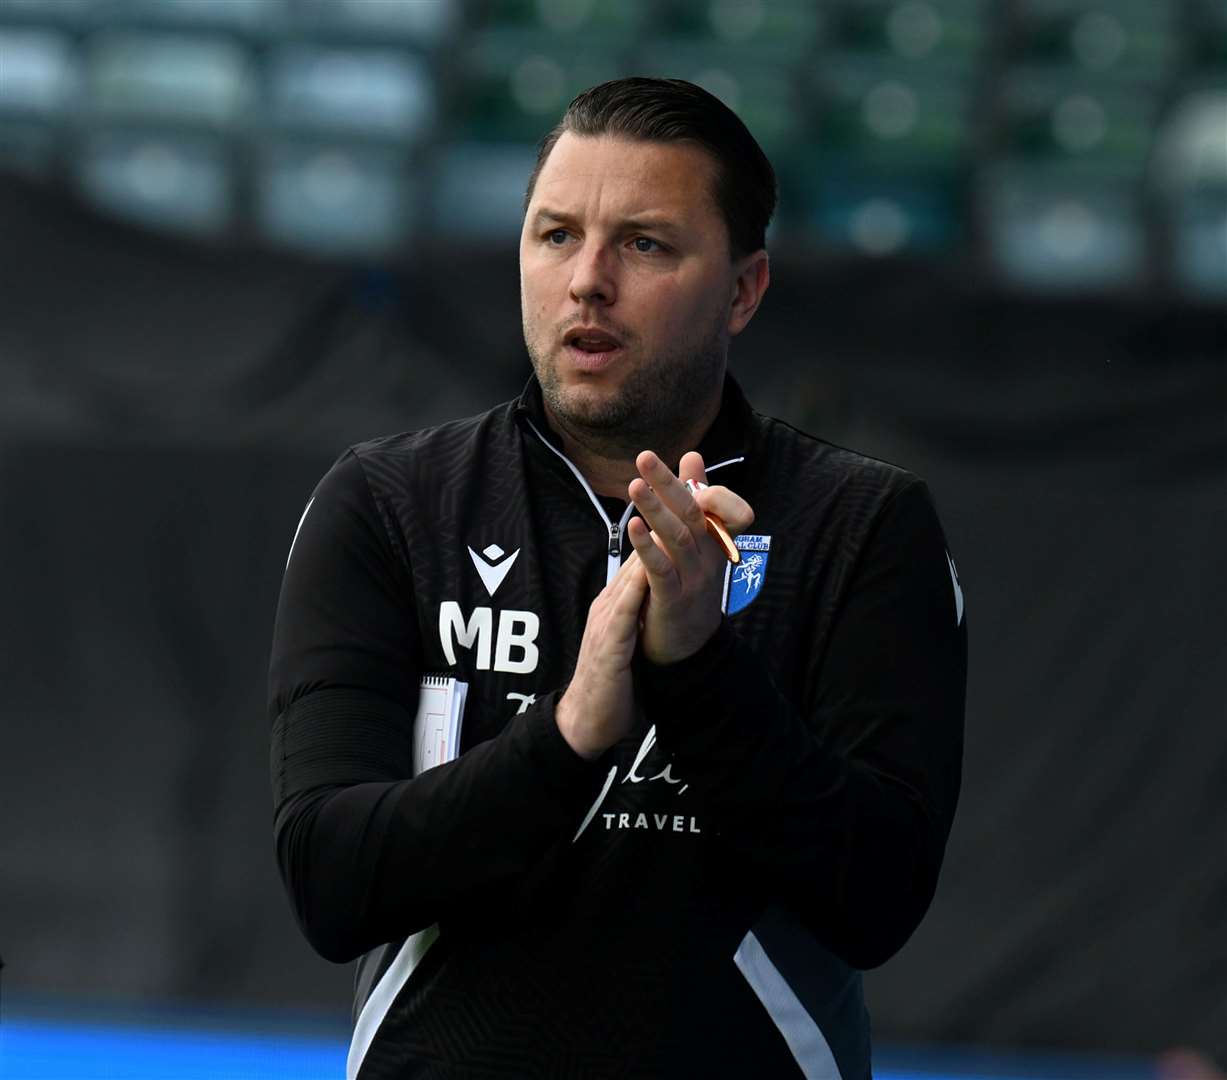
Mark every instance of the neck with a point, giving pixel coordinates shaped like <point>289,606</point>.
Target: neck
<point>607,461</point>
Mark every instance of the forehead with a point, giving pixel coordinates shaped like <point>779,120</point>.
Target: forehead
<point>614,176</point>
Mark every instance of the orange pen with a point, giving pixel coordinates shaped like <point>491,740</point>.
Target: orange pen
<point>717,528</point>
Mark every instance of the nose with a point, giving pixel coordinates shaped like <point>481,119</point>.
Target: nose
<point>593,279</point>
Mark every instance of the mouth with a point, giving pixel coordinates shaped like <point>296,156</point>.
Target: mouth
<point>590,339</point>
<point>590,348</point>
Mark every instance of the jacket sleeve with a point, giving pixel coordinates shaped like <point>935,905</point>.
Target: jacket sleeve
<point>369,853</point>
<point>846,809</point>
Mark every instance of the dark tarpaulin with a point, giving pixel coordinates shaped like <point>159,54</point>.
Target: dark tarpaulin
<point>165,409</point>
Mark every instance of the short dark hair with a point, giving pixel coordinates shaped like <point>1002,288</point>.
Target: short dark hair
<point>672,110</point>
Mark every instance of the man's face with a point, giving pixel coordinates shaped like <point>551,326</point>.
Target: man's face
<point>625,287</point>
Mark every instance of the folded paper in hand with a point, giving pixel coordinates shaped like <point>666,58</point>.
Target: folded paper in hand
<point>436,727</point>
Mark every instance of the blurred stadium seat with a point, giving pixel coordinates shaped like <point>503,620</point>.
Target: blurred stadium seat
<point>248,17</point>
<point>757,82</point>
<point>335,198</point>
<point>891,99</point>
<point>184,79</point>
<point>1061,181</point>
<point>39,86</point>
<point>614,24</point>
<point>517,83</point>
<point>180,182</point>
<point>364,92</point>
<point>1024,132</point>
<point>40,74</point>
<point>1191,180</point>
<point>478,192</point>
<point>892,145</point>
<point>1054,231</point>
<point>157,110</point>
<point>787,28</point>
<point>1207,37</point>
<point>424,23</point>
<point>1127,40</point>
<point>1063,197</point>
<point>54,12</point>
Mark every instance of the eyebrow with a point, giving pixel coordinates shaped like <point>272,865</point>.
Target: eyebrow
<point>647,224</point>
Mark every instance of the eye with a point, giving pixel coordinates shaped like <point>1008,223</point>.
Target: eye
<point>556,237</point>
<point>645,245</point>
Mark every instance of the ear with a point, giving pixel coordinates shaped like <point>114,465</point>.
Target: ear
<point>753,277</point>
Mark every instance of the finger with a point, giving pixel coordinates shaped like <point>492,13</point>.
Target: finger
<point>691,468</point>
<point>608,596</point>
<point>615,615</point>
<point>728,506</point>
<point>658,567</point>
<point>626,577</point>
<point>672,493</point>
<point>624,613</point>
<point>635,588</point>
<point>623,572</point>
<point>676,535</point>
<point>627,568</point>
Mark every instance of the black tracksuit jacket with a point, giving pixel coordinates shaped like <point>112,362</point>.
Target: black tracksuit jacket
<point>700,899</point>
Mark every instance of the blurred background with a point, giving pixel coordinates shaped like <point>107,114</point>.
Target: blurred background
<point>238,235</point>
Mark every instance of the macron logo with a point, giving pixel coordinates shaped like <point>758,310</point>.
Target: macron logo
<point>489,567</point>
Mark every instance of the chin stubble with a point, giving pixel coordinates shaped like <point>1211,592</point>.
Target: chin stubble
<point>654,406</point>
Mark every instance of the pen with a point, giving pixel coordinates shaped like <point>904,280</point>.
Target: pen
<point>717,529</point>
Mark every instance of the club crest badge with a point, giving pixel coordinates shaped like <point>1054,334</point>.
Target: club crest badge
<point>746,578</point>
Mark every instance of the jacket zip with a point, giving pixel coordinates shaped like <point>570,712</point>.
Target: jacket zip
<point>614,550</point>
<point>616,529</point>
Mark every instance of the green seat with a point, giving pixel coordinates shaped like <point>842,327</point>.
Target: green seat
<point>884,162</point>
<point>949,34</point>
<point>1207,37</point>
<point>761,85</point>
<point>785,29</point>
<point>515,85</point>
<point>837,201</point>
<point>617,23</point>
<point>1128,41</point>
<point>424,24</point>
<point>891,113</point>
<point>173,78</point>
<point>1095,128</point>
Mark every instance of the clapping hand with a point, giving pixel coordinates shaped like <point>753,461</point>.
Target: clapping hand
<point>683,563</point>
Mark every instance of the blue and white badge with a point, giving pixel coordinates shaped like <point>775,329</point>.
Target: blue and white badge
<point>746,578</point>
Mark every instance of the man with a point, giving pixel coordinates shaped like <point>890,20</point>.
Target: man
<point>693,799</point>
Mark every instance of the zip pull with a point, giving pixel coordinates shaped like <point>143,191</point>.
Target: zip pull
<point>615,540</point>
